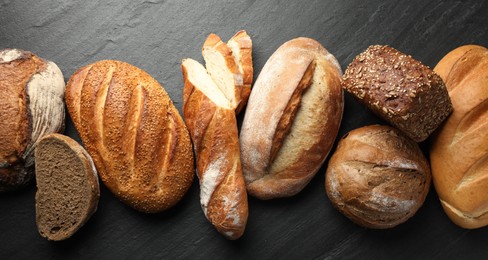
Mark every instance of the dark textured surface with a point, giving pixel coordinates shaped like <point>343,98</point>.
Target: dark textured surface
<point>155,36</point>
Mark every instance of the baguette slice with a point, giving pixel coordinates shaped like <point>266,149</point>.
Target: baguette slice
<point>67,187</point>
<point>241,46</point>
<point>223,69</point>
<point>213,128</point>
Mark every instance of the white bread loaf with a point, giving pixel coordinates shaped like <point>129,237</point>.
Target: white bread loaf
<point>459,151</point>
<point>291,120</point>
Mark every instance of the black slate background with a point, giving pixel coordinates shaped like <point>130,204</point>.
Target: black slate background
<point>155,36</point>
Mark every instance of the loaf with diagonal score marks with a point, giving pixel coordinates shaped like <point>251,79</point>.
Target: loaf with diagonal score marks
<point>459,151</point>
<point>211,119</point>
<point>135,135</point>
<point>292,119</point>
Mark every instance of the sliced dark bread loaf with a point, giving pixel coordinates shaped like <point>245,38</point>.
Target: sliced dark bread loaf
<point>67,186</point>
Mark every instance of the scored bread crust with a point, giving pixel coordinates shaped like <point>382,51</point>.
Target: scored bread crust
<point>133,132</point>
<point>241,46</point>
<point>32,106</point>
<point>214,45</point>
<point>286,135</point>
<point>377,177</point>
<point>213,129</point>
<point>92,186</point>
<point>459,150</point>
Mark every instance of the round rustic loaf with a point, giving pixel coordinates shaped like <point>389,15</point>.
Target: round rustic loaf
<point>31,106</point>
<point>459,151</point>
<point>377,177</point>
<point>135,135</point>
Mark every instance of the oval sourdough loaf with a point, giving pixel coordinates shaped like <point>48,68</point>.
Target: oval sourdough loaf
<point>31,106</point>
<point>377,177</point>
<point>291,120</point>
<point>459,151</point>
<point>136,137</point>
<point>67,187</point>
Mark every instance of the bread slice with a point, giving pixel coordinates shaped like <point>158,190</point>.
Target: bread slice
<point>67,187</point>
<point>241,46</point>
<point>223,69</point>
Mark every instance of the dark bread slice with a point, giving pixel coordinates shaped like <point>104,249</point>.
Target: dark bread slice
<point>67,186</point>
<point>400,89</point>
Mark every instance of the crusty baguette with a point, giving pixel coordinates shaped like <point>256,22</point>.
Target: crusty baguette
<point>459,151</point>
<point>212,124</point>
<point>133,132</point>
<point>67,187</point>
<point>241,46</point>
<point>291,120</point>
<point>31,106</point>
<point>377,177</point>
<point>223,69</point>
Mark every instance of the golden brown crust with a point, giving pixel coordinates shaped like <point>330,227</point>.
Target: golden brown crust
<point>270,174</point>
<point>133,132</point>
<point>214,133</point>
<point>459,151</point>
<point>377,177</point>
<point>290,111</point>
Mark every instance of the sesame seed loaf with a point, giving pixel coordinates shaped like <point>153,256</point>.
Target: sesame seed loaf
<point>133,132</point>
<point>399,89</point>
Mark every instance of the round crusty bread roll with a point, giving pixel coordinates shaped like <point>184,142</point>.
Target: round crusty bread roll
<point>377,177</point>
<point>292,119</point>
<point>459,151</point>
<point>31,106</point>
<point>135,135</point>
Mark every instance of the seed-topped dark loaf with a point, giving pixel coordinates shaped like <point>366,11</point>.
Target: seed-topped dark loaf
<point>67,187</point>
<point>399,89</point>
